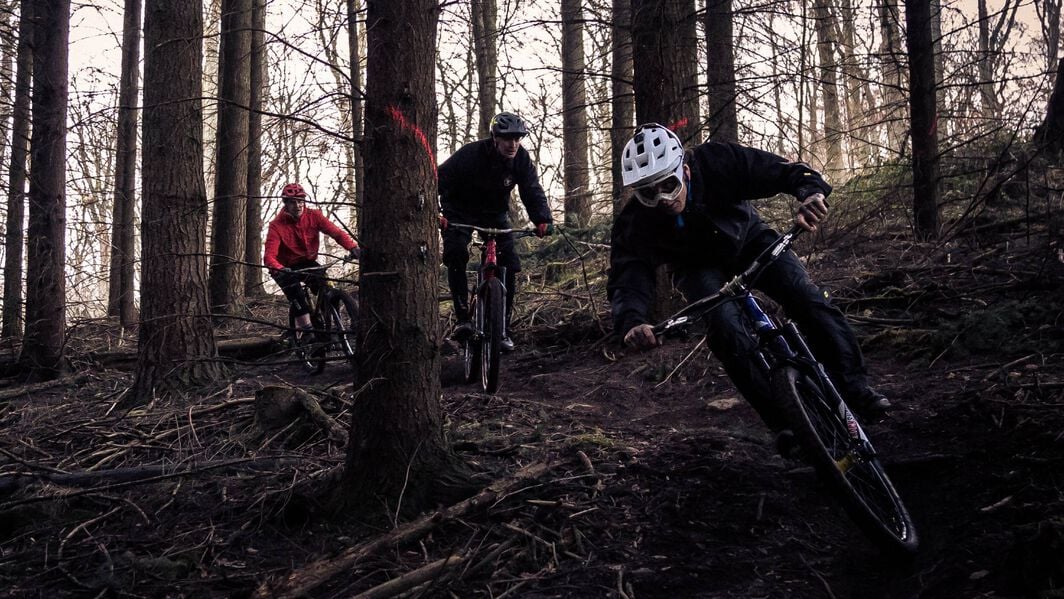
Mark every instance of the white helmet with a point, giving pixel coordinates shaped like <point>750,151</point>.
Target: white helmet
<point>651,155</point>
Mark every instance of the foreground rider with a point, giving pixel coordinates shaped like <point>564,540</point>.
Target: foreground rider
<point>475,185</point>
<point>291,252</point>
<point>693,213</point>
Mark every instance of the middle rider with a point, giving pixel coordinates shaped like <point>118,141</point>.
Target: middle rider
<point>475,185</point>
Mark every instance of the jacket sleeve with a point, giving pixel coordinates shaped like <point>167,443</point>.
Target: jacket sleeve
<point>326,226</point>
<point>762,174</point>
<point>532,194</point>
<point>630,285</point>
<point>273,244</point>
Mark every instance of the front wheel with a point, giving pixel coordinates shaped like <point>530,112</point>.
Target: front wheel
<point>471,346</point>
<point>343,318</point>
<point>494,327</point>
<point>305,348</point>
<point>845,459</point>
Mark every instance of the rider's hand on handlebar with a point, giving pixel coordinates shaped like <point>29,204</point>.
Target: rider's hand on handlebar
<point>813,210</point>
<point>353,255</point>
<point>544,229</point>
<point>641,337</point>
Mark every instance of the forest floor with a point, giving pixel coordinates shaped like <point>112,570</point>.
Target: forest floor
<point>618,474</point>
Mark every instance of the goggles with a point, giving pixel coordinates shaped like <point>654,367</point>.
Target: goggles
<point>662,190</point>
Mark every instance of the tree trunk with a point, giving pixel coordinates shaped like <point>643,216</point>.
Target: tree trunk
<point>665,85</point>
<point>924,119</point>
<point>1051,131</point>
<point>484,15</point>
<point>1049,21</point>
<point>397,453</point>
<point>622,97</point>
<point>8,49</point>
<point>253,216</point>
<point>991,107</point>
<point>858,92</point>
<point>720,69</point>
<point>228,232</point>
<point>357,99</point>
<point>42,346</point>
<point>894,83</point>
<point>826,43</point>
<point>16,190</point>
<point>123,241</point>
<point>574,118</point>
<point>176,337</point>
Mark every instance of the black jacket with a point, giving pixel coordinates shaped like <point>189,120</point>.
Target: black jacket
<point>711,231</point>
<point>477,180</point>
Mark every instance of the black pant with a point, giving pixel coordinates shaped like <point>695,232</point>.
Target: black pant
<point>787,283</point>
<point>310,272</point>
<point>456,257</point>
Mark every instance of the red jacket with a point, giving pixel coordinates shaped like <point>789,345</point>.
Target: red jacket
<point>289,241</point>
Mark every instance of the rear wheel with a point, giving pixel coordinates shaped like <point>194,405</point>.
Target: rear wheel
<point>845,459</point>
<point>471,346</point>
<point>494,302</point>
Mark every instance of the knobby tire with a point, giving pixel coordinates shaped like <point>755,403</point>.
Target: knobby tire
<point>494,302</point>
<point>305,348</point>
<point>471,346</point>
<point>857,481</point>
<point>342,320</point>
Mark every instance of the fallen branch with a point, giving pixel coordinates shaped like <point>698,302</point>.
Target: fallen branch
<point>301,582</point>
<point>413,578</point>
<point>35,387</point>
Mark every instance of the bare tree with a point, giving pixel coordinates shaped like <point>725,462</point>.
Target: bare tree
<point>398,455</point>
<point>354,41</point>
<point>42,346</point>
<point>253,214</point>
<point>574,117</point>
<point>1049,21</point>
<point>622,97</point>
<point>16,190</point>
<point>665,78</point>
<point>922,109</point>
<point>720,70</point>
<point>1051,131</point>
<point>484,16</point>
<point>891,54</point>
<point>123,241</point>
<point>826,42</point>
<point>176,338</point>
<point>228,233</point>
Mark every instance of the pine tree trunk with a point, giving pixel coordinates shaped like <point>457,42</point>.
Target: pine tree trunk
<point>894,83</point>
<point>14,241</point>
<point>826,43</point>
<point>622,97</point>
<point>397,450</point>
<point>991,107</point>
<point>42,346</point>
<point>253,216</point>
<point>176,338</point>
<point>355,49</point>
<point>123,240</point>
<point>484,14</point>
<point>574,118</point>
<point>720,68</point>
<point>228,232</point>
<point>923,118</point>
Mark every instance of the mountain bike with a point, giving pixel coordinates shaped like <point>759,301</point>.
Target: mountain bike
<point>482,350</point>
<point>334,316</point>
<point>828,433</point>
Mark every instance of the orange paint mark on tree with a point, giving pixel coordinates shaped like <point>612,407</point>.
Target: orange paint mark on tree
<point>679,124</point>
<point>401,120</point>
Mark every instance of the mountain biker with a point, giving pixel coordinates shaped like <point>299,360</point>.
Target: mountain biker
<point>291,251</point>
<point>692,211</point>
<point>475,185</point>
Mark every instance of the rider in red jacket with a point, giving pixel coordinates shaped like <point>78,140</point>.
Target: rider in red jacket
<point>292,248</point>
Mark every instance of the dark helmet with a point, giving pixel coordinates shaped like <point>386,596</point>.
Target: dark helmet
<point>507,123</point>
<point>293,191</point>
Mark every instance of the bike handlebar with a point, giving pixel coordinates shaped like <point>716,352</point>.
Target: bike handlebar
<point>738,285</point>
<point>492,231</point>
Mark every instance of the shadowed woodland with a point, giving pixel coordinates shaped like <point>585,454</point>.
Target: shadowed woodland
<point>159,438</point>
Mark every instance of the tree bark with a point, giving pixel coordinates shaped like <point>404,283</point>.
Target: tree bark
<point>1051,132</point>
<point>720,69</point>
<point>826,43</point>
<point>253,215</point>
<point>397,453</point>
<point>42,346</point>
<point>176,338</point>
<point>665,79</point>
<point>357,100</point>
<point>16,191</point>
<point>574,118</point>
<point>484,15</point>
<point>228,232</point>
<point>924,123</point>
<point>123,240</point>
<point>622,97</point>
<point>894,83</point>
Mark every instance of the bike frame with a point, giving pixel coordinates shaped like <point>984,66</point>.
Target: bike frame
<point>777,345</point>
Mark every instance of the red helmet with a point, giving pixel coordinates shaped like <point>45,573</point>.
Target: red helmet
<point>293,191</point>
